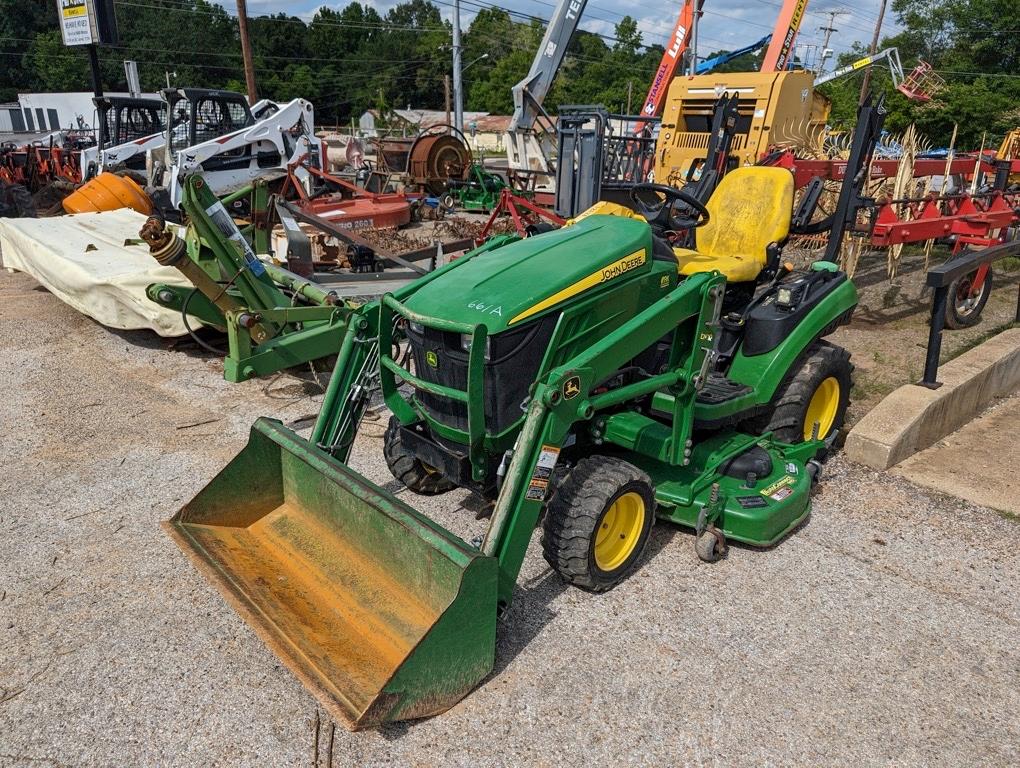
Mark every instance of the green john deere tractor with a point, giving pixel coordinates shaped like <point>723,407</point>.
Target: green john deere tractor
<point>595,374</point>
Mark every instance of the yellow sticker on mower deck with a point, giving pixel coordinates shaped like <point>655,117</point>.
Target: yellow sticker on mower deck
<point>780,489</point>
<point>539,484</point>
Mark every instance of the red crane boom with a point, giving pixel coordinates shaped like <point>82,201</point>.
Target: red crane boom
<point>780,50</point>
<point>670,61</point>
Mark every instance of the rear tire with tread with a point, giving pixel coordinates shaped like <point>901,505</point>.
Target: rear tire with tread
<point>408,468</point>
<point>787,419</point>
<point>578,509</point>
<point>16,201</point>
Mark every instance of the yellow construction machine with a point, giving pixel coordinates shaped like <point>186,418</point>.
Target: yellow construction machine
<point>773,108</point>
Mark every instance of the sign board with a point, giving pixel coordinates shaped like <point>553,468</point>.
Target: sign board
<point>87,22</point>
<point>77,22</point>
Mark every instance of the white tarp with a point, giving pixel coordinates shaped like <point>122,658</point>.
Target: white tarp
<point>83,260</point>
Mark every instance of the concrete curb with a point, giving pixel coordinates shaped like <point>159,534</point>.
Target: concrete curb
<point>914,417</point>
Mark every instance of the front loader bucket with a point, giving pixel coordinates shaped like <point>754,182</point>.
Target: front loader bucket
<point>382,613</point>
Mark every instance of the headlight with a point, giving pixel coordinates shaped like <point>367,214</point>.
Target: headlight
<point>465,344</point>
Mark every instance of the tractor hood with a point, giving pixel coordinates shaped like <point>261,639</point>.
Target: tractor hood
<point>509,285</point>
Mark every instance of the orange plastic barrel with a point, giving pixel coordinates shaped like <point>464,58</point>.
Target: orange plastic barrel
<point>108,192</point>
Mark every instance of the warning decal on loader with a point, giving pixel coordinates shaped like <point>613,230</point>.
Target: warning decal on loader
<point>539,484</point>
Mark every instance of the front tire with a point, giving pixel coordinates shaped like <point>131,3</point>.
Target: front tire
<point>414,473</point>
<point>598,522</point>
<point>817,390</point>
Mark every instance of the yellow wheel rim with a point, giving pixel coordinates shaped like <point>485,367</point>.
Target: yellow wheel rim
<point>822,408</point>
<point>619,531</point>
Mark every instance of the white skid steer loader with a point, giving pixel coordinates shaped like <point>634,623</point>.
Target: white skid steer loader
<point>211,132</point>
<point>219,137</point>
<point>137,126</point>
<point>134,125</point>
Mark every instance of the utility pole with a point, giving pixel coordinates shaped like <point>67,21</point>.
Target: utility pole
<point>828,29</point>
<point>446,96</point>
<point>458,86</point>
<point>249,66</point>
<point>630,89</point>
<point>694,40</point>
<point>866,83</point>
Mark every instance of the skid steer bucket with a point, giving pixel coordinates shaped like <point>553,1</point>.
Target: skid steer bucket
<point>382,613</point>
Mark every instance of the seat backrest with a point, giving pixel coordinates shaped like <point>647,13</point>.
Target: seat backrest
<point>751,207</point>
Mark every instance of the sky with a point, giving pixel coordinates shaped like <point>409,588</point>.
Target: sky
<point>725,25</point>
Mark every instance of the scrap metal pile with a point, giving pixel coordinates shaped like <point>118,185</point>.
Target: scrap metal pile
<point>36,175</point>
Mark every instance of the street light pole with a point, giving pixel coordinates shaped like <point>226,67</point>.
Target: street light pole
<point>458,85</point>
<point>97,93</point>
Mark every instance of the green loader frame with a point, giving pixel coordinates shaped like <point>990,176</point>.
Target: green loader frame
<point>273,318</point>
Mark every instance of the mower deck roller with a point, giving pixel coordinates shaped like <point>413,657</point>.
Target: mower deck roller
<point>382,613</point>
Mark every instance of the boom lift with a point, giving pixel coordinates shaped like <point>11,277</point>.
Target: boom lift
<point>529,153</point>
<point>708,65</point>
<point>778,56</point>
<point>918,85</point>
<point>672,58</point>
<point>525,150</point>
<point>892,55</point>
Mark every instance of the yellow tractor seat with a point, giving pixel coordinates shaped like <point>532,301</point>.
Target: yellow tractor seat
<point>750,209</point>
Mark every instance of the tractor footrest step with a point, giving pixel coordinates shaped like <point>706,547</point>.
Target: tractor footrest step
<point>719,389</point>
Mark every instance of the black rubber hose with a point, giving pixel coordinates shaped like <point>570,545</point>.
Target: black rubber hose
<point>194,336</point>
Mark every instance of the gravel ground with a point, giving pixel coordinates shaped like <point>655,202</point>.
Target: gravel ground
<point>883,631</point>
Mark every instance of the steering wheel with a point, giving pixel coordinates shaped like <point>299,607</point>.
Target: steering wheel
<point>659,213</point>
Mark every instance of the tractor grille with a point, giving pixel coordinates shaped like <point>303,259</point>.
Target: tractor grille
<point>514,360</point>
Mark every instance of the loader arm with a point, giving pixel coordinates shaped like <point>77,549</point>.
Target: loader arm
<point>552,415</point>
<point>114,157</point>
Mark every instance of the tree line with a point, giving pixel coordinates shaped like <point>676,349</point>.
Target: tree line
<point>348,60</point>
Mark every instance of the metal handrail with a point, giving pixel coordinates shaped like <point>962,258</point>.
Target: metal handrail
<point>940,278</point>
